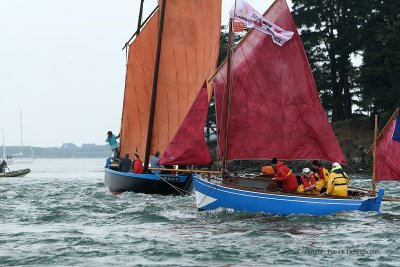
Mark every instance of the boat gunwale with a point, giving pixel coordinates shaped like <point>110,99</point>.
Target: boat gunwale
<point>151,176</point>
<point>279,195</point>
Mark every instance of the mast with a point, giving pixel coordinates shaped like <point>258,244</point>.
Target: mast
<point>139,24</point>
<point>4,144</point>
<point>22,144</point>
<point>228,91</point>
<point>154,89</point>
<point>374,156</point>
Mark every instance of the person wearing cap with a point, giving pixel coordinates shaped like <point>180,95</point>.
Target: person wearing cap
<point>112,140</point>
<point>320,173</point>
<point>308,184</point>
<point>137,164</point>
<point>284,175</point>
<point>338,181</point>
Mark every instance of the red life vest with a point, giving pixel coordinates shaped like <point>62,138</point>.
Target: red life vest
<point>321,173</point>
<point>137,166</point>
<point>305,182</point>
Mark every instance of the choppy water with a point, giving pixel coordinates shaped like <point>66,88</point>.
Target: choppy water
<point>61,215</point>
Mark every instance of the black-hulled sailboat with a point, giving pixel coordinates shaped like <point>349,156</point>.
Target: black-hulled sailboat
<point>174,52</point>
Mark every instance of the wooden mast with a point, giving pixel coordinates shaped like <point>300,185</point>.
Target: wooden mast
<point>374,156</point>
<point>228,91</point>
<point>154,89</point>
<point>139,24</point>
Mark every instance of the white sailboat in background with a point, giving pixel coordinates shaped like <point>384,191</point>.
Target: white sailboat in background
<point>8,159</point>
<point>19,157</point>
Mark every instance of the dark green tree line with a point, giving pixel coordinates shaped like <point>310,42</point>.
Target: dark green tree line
<point>380,71</point>
<point>334,32</point>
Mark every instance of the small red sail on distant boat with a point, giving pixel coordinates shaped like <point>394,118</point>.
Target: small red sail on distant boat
<point>189,147</point>
<point>388,150</point>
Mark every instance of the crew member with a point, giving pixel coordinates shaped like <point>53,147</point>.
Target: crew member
<point>112,140</point>
<point>137,164</point>
<point>126,164</point>
<point>320,173</point>
<point>338,181</point>
<point>284,175</point>
<point>308,184</point>
<point>154,162</point>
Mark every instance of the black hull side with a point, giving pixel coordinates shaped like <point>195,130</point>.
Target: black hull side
<point>118,183</point>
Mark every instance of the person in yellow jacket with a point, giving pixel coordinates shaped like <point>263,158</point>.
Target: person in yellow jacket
<point>320,173</point>
<point>338,181</point>
<point>308,184</point>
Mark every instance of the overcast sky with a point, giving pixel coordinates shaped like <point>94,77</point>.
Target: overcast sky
<point>62,66</point>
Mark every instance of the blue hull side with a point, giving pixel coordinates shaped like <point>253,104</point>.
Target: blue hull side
<point>211,196</point>
<point>163,184</point>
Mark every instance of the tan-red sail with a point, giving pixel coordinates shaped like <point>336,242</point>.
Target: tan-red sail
<point>189,54</point>
<point>275,108</point>
<point>388,151</point>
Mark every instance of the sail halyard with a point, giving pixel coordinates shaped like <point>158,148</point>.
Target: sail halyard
<point>187,36</point>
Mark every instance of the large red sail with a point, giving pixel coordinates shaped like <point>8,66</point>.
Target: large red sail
<point>275,107</point>
<point>388,153</point>
<point>188,147</point>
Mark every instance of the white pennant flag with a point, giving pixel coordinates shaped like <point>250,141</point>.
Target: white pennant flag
<point>245,13</point>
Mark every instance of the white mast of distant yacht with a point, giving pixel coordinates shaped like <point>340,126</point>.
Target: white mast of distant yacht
<point>4,144</point>
<point>22,144</point>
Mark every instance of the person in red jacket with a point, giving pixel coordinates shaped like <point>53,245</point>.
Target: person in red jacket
<point>137,165</point>
<point>284,175</point>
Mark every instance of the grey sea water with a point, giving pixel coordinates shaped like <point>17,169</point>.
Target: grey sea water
<point>61,215</point>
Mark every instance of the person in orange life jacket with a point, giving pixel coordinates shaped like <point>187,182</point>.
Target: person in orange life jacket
<point>320,173</point>
<point>308,184</point>
<point>137,164</point>
<point>284,175</point>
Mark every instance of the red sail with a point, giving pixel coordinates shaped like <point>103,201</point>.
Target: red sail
<point>275,107</point>
<point>188,147</point>
<point>388,155</point>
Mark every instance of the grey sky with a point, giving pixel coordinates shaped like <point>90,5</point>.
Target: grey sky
<point>61,64</point>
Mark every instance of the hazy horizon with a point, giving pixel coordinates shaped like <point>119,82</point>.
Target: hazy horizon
<point>62,66</point>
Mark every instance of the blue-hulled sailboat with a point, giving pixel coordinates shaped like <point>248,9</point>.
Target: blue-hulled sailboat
<point>267,106</point>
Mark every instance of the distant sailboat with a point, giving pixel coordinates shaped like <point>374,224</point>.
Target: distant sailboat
<point>8,159</point>
<point>174,52</point>
<point>20,157</point>
<point>267,106</point>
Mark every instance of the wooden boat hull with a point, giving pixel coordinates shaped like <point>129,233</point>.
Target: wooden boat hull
<point>163,184</point>
<point>19,173</point>
<point>211,196</point>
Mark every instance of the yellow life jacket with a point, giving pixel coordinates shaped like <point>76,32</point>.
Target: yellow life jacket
<point>337,183</point>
